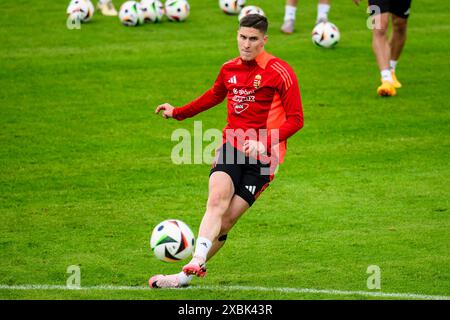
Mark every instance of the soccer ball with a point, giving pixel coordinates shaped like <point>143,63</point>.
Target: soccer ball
<point>177,10</point>
<point>231,6</point>
<point>82,10</point>
<point>250,10</point>
<point>172,240</point>
<point>325,35</point>
<point>130,14</point>
<point>153,10</point>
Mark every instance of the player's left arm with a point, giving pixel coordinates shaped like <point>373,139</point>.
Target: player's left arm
<point>289,91</point>
<point>288,88</point>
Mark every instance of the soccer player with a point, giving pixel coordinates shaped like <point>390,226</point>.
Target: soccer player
<point>106,7</point>
<point>290,10</point>
<point>264,109</point>
<point>387,52</point>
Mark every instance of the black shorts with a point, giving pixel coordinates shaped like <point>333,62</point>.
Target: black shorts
<point>250,177</point>
<point>400,8</point>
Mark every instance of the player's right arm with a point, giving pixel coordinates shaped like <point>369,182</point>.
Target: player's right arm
<point>209,99</point>
<point>167,110</point>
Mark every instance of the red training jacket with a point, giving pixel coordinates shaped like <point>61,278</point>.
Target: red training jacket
<point>262,94</point>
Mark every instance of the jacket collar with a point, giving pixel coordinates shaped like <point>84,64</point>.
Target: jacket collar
<point>261,60</point>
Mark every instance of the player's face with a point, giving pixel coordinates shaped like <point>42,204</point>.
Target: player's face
<point>250,42</point>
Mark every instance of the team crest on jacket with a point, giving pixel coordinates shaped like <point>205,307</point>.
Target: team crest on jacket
<point>257,81</point>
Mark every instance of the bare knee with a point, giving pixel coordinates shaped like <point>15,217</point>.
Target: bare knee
<point>380,32</point>
<point>399,25</point>
<point>221,191</point>
<point>218,203</point>
<point>381,25</point>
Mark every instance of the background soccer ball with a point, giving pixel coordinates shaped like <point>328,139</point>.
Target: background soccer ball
<point>231,6</point>
<point>172,240</point>
<point>177,10</point>
<point>250,10</point>
<point>153,10</point>
<point>83,10</point>
<point>325,35</point>
<point>130,14</point>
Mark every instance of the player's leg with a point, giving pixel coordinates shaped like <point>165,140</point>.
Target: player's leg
<point>380,43</point>
<point>236,209</point>
<point>250,182</point>
<point>323,7</point>
<point>254,179</point>
<point>398,36</point>
<point>106,7</point>
<point>397,43</point>
<point>400,14</point>
<point>253,182</point>
<point>381,49</point>
<point>290,10</point>
<point>221,191</point>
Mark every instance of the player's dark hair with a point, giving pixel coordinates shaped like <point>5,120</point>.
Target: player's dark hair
<point>255,21</point>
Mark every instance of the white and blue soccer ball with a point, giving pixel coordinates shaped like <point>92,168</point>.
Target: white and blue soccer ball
<point>172,240</point>
<point>326,35</point>
<point>130,14</point>
<point>231,6</point>
<point>153,10</point>
<point>82,10</point>
<point>250,10</point>
<point>177,10</point>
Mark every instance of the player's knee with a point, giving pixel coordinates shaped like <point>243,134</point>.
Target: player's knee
<point>381,28</point>
<point>217,202</point>
<point>380,32</point>
<point>399,25</point>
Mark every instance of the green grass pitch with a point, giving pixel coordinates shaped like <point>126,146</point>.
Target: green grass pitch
<point>85,168</point>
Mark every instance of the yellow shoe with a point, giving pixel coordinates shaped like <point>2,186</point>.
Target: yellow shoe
<point>396,83</point>
<point>107,8</point>
<point>386,89</point>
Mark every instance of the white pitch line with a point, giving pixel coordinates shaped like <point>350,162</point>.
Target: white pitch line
<point>231,288</point>
<point>325,291</point>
